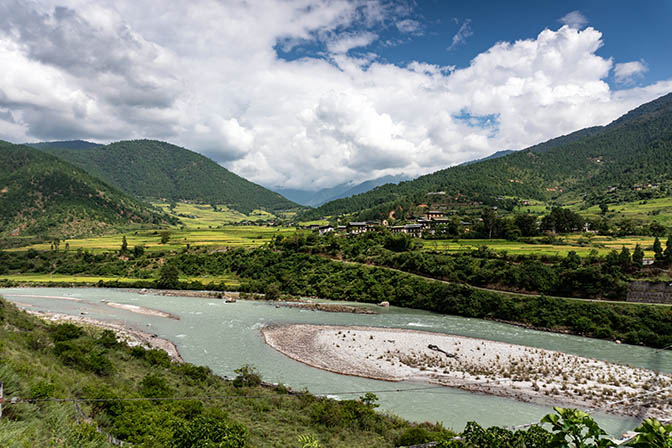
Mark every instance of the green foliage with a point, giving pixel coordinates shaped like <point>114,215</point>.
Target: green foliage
<point>42,390</point>
<point>652,434</point>
<point>66,332</point>
<point>308,441</point>
<point>169,277</point>
<point>152,169</point>
<point>247,376</point>
<point>370,400</point>
<point>475,436</point>
<point>575,429</point>
<point>165,237</point>
<point>209,432</point>
<point>154,385</point>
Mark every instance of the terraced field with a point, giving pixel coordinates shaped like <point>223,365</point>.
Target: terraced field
<point>199,216</point>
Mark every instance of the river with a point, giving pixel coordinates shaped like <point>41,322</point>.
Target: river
<point>225,336</point>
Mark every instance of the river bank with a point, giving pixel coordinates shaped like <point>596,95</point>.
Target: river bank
<point>477,365</point>
<point>124,333</point>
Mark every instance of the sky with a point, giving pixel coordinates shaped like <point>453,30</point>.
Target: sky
<point>312,93</point>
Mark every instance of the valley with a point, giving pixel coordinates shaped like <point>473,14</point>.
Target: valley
<point>529,276</point>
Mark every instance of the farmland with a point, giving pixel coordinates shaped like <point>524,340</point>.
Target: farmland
<point>198,216</point>
<point>225,236</point>
<point>41,279</point>
<point>581,244</point>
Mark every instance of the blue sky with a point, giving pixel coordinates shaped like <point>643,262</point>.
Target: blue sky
<point>632,31</point>
<point>314,93</point>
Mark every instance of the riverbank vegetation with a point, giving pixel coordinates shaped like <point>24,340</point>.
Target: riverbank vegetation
<point>139,396</point>
<point>299,265</point>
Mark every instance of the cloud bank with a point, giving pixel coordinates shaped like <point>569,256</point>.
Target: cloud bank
<point>207,75</point>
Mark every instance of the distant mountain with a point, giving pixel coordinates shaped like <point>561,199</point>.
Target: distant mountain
<point>315,198</point>
<point>64,144</point>
<point>42,195</point>
<point>604,163</point>
<point>155,170</point>
<point>496,155</point>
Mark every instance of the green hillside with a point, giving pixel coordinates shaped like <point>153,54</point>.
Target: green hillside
<point>613,163</point>
<point>155,170</point>
<point>43,196</point>
<point>144,399</point>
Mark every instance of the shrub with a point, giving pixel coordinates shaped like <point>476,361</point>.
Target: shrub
<point>209,432</point>
<point>66,332</point>
<point>247,376</point>
<point>155,386</point>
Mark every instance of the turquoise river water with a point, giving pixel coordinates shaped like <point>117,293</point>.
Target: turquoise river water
<point>225,336</point>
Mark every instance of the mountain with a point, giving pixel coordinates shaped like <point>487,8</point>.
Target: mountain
<point>598,164</point>
<point>314,198</point>
<point>496,155</point>
<point>42,195</point>
<point>64,144</point>
<point>155,170</point>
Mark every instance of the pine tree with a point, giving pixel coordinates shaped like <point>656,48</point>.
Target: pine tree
<point>124,245</point>
<point>638,256</point>
<point>624,258</point>
<point>667,255</point>
<point>658,250</point>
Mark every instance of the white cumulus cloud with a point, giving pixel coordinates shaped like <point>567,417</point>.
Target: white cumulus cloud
<point>207,75</point>
<point>626,72</point>
<point>574,19</point>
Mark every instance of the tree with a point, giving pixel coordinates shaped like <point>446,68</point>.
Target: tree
<point>165,237</point>
<point>124,245</point>
<point>527,224</point>
<point>667,255</point>
<point>138,251</point>
<point>572,261</point>
<point>489,220</point>
<point>658,251</point>
<point>638,256</point>
<point>169,277</point>
<point>562,220</point>
<point>604,208</point>
<point>624,258</point>
<point>656,229</point>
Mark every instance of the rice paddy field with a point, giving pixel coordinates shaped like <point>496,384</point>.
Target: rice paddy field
<point>199,216</point>
<point>229,280</point>
<point>659,210</point>
<point>225,236</point>
<point>581,244</point>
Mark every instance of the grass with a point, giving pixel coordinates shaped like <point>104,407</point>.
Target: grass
<point>229,280</point>
<point>195,216</point>
<point>228,236</point>
<point>581,244</point>
<point>639,211</point>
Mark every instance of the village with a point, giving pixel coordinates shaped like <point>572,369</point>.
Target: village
<point>421,226</point>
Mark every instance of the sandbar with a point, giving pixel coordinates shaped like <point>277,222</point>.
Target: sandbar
<point>514,371</point>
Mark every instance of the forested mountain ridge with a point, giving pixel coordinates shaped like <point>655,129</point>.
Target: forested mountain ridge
<point>594,164</point>
<point>156,170</point>
<point>41,195</point>
<point>64,144</point>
